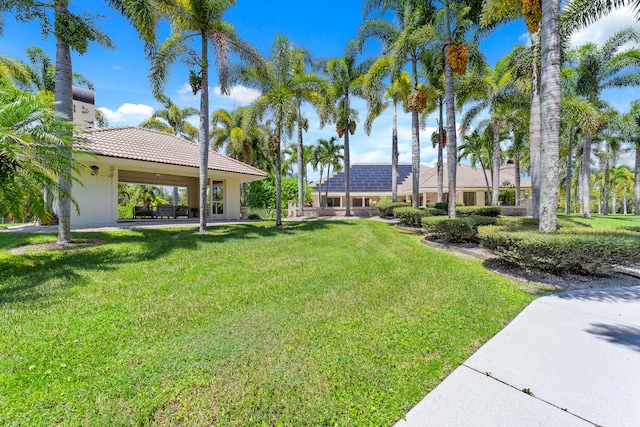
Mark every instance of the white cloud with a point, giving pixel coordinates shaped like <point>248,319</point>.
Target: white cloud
<point>525,39</point>
<point>185,89</point>
<point>116,67</point>
<point>128,114</point>
<point>600,31</point>
<point>241,95</point>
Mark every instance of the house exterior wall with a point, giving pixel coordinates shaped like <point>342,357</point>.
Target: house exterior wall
<point>97,196</point>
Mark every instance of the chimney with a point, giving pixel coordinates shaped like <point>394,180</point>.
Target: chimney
<point>84,109</point>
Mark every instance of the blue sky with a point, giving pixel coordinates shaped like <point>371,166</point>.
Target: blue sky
<point>323,27</point>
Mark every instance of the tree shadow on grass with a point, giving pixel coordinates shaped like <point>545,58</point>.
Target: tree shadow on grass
<point>625,335</point>
<point>25,277</point>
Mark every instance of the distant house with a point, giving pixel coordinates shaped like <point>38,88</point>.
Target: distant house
<point>371,182</point>
<point>143,156</point>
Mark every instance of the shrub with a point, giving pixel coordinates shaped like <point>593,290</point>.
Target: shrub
<point>386,207</point>
<point>463,229</point>
<point>445,205</point>
<point>254,216</point>
<point>125,211</point>
<point>492,211</point>
<point>413,217</point>
<point>578,250</point>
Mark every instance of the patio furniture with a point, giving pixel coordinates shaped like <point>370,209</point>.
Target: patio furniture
<point>143,211</point>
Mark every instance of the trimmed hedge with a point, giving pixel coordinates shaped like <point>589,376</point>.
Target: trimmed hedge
<point>386,208</point>
<point>413,217</point>
<point>443,205</point>
<point>463,229</point>
<point>491,211</point>
<point>583,250</point>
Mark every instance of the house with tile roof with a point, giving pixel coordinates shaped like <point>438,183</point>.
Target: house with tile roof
<point>131,154</point>
<point>371,182</point>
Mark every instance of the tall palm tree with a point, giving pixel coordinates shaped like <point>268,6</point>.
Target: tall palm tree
<point>280,88</point>
<point>199,22</point>
<point>623,180</point>
<point>634,138</point>
<point>550,98</point>
<point>346,79</point>
<point>404,44</point>
<point>600,68</point>
<point>394,94</point>
<point>172,119</point>
<point>496,91</point>
<point>72,31</point>
<point>317,99</point>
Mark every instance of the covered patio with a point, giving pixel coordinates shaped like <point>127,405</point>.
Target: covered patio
<point>143,156</point>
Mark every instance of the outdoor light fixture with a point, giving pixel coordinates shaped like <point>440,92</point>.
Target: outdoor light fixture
<point>94,170</point>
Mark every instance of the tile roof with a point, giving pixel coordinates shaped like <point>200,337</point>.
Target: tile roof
<point>466,177</point>
<point>129,142</point>
<point>365,177</point>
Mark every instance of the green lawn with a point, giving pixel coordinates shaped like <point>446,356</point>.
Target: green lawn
<point>318,323</point>
<point>608,221</point>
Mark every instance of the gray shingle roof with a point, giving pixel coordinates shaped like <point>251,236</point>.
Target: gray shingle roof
<point>365,177</point>
<point>129,142</point>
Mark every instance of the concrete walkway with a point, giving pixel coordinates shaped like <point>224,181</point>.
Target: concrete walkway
<point>570,359</point>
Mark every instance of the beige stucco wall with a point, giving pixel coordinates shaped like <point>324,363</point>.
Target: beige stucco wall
<point>97,196</point>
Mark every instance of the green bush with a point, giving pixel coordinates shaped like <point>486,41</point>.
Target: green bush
<point>262,194</point>
<point>444,205</point>
<point>125,212</point>
<point>386,207</point>
<point>413,217</point>
<point>578,250</point>
<point>492,211</point>
<point>463,229</point>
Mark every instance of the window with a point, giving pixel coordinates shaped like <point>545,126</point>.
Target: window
<point>333,202</point>
<point>487,199</point>
<point>469,198</point>
<point>356,202</point>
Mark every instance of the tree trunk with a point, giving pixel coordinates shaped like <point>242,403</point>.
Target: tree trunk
<point>415,143</point>
<point>624,201</point>
<point>605,184</point>
<point>613,197</point>
<point>516,170</point>
<point>347,177</point>
<point>326,188</point>
<point>636,180</point>
<point>278,180</point>
<point>440,164</point>
<point>584,178</point>
<point>394,154</point>
<point>175,196</point>
<point>320,188</point>
<point>550,97</point>
<point>576,187</point>
<point>495,175</point>
<point>301,167</point>
<point>64,105</point>
<point>535,130</point>
<point>452,148</point>
<point>567,196</point>
<point>204,135</point>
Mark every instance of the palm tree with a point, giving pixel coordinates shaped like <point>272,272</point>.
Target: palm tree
<point>550,98</point>
<point>172,119</point>
<point>191,20</point>
<point>72,31</point>
<point>346,79</point>
<point>334,157</point>
<point>477,148</point>
<point>280,89</point>
<point>31,135</point>
<point>315,97</point>
<point>396,92</point>
<point>403,45</point>
<point>497,91</point>
<point>600,68</point>
<point>623,180</point>
<point>634,118</point>
<point>13,70</point>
